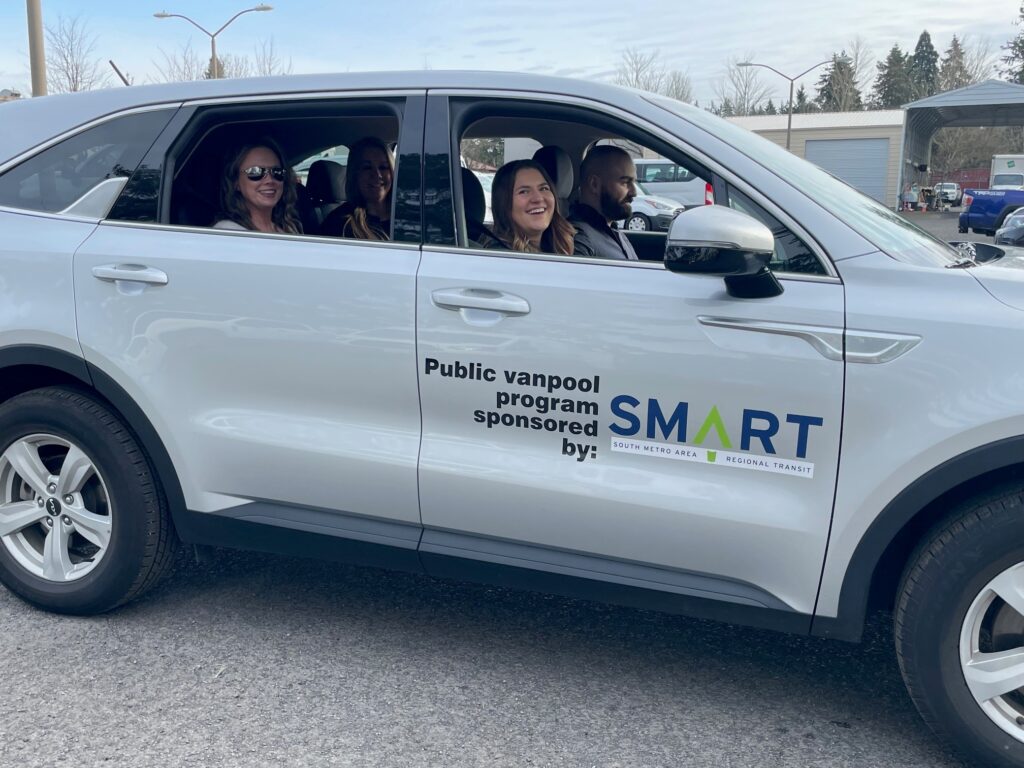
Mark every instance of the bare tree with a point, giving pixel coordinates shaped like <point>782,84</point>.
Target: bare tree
<point>741,87</point>
<point>187,64</point>
<point>267,62</point>
<point>231,65</point>
<point>184,64</point>
<point>862,63</point>
<point>70,62</point>
<point>646,72</point>
<point>979,59</point>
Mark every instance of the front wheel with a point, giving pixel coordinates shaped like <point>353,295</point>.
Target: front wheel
<point>638,223</point>
<point>959,629</point>
<point>83,523</point>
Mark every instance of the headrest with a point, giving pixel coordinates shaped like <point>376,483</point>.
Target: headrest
<point>326,181</point>
<point>556,162</point>
<point>473,201</point>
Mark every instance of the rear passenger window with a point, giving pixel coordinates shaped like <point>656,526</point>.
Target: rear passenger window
<point>56,177</point>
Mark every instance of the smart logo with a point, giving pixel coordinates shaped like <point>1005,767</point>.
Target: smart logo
<point>653,429</point>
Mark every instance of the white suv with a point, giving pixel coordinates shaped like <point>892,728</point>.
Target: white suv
<point>787,413</point>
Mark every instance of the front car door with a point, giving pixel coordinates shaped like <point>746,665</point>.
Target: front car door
<point>614,421</point>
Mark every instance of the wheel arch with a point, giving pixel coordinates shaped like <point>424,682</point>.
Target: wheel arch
<point>1003,214</point>
<point>874,571</point>
<point>28,367</point>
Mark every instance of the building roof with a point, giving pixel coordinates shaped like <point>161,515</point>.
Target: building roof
<point>987,93</point>
<point>864,119</point>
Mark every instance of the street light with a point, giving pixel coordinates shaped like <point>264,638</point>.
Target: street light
<point>792,80</point>
<point>214,64</point>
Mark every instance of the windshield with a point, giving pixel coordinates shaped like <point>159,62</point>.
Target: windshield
<point>886,229</point>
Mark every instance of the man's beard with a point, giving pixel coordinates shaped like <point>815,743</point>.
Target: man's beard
<point>613,209</point>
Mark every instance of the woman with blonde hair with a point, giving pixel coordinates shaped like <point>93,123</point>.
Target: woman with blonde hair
<point>525,211</point>
<point>366,212</point>
<point>257,190</point>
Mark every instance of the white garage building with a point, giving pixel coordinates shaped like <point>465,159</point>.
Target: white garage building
<point>861,148</point>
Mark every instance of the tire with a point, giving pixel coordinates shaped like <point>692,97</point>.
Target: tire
<point>84,526</point>
<point>638,223</point>
<point>950,616</point>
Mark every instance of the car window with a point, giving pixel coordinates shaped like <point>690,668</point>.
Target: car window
<point>305,132</point>
<point>791,253</point>
<point>58,176</point>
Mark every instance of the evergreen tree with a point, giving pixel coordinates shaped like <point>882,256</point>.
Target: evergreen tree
<point>769,108</point>
<point>727,109</point>
<point>837,87</point>
<point>1013,60</point>
<point>803,104</point>
<point>924,67</point>
<point>893,87</point>
<point>953,72</point>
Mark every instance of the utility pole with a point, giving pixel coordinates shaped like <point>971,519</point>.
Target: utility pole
<point>36,51</point>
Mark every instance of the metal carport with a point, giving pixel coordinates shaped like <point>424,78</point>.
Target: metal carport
<point>988,104</point>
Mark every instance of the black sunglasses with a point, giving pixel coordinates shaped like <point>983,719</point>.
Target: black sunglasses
<point>257,172</point>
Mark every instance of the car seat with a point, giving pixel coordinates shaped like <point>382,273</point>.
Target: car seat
<point>558,164</point>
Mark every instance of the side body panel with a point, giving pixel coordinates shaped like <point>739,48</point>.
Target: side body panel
<point>274,368</point>
<point>37,297</point>
<point>954,392</point>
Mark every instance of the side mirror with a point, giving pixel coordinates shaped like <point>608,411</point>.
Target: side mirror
<point>716,240</point>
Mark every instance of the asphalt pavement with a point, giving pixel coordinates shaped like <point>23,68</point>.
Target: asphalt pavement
<point>252,660</point>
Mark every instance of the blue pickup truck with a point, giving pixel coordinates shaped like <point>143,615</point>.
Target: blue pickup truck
<point>986,209</point>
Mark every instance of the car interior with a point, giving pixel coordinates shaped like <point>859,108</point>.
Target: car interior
<point>561,145</point>
<point>557,136</point>
<point>302,133</point>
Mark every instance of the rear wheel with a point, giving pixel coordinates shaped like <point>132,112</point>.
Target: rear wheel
<point>959,629</point>
<point>83,523</point>
<point>638,223</point>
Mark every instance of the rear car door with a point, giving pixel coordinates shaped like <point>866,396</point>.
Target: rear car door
<point>277,369</point>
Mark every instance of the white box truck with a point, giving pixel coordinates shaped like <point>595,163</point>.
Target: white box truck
<point>1007,172</point>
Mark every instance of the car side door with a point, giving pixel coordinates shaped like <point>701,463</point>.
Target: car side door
<point>614,421</point>
<point>277,369</point>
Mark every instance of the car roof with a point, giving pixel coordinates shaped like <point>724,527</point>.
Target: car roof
<point>59,114</point>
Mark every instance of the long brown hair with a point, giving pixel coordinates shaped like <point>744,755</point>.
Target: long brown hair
<point>361,228</point>
<point>284,215</point>
<point>557,238</point>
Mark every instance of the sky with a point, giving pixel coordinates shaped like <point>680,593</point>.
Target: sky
<point>558,37</point>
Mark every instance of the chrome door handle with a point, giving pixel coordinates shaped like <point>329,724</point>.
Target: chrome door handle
<point>130,273</point>
<point>480,298</point>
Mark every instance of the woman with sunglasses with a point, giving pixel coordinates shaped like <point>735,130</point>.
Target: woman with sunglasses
<point>257,191</point>
<point>366,213</point>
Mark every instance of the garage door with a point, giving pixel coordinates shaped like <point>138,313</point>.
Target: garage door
<point>861,163</point>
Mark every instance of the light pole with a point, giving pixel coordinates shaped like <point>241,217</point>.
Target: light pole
<point>792,80</point>
<point>37,54</point>
<point>214,64</point>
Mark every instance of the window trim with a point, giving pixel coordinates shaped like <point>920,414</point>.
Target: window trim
<point>671,139</point>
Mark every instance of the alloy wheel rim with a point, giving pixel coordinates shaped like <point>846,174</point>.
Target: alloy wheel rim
<point>55,512</point>
<point>992,650</point>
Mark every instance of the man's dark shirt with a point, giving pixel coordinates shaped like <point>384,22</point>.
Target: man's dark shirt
<point>595,239</point>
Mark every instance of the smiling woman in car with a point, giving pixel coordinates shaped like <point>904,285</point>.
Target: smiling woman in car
<point>526,216</point>
<point>366,214</point>
<point>257,191</point>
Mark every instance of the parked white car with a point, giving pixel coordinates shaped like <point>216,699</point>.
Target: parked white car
<point>773,418</point>
<point>651,212</point>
